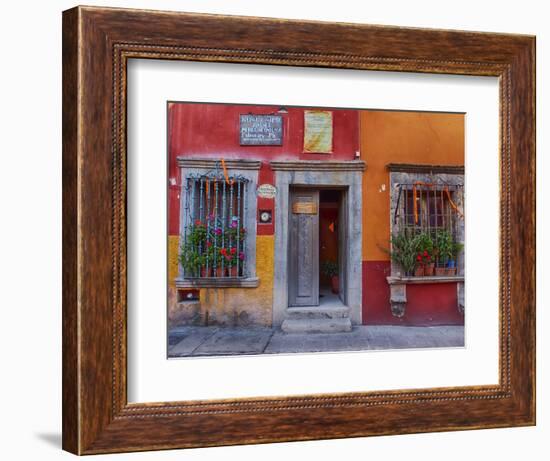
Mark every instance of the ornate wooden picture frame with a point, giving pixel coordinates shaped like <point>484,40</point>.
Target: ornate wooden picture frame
<point>97,44</point>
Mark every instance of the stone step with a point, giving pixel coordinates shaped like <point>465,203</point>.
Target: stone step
<point>318,312</point>
<point>329,325</point>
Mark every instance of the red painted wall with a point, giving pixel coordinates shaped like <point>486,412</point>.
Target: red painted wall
<point>427,304</point>
<point>213,130</point>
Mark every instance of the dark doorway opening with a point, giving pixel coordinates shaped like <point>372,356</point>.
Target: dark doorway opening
<point>330,260</point>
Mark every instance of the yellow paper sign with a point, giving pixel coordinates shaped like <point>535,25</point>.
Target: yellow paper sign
<point>318,131</point>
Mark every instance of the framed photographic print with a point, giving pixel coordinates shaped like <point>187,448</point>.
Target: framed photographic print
<point>330,234</point>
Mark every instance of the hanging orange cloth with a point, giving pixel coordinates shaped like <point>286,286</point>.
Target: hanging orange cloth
<point>453,204</point>
<point>415,205</point>
<point>446,189</point>
<point>230,182</point>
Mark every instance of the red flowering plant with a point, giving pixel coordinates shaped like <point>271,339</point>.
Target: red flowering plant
<point>212,246</point>
<point>229,256</point>
<point>234,239</point>
<point>425,253</point>
<point>423,258</point>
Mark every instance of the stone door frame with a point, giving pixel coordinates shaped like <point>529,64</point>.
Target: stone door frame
<point>346,175</point>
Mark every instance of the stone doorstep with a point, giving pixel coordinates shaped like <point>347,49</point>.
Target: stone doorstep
<point>318,312</point>
<point>316,325</point>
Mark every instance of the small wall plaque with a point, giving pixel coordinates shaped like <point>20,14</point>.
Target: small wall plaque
<point>266,191</point>
<point>261,130</point>
<point>304,208</point>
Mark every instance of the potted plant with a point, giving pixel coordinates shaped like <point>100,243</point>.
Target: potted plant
<point>191,260</point>
<point>456,248</point>
<point>231,256</point>
<point>424,257</point>
<point>330,270</point>
<point>419,268</point>
<point>232,269</point>
<point>443,251</point>
<point>403,251</point>
<point>205,269</point>
<point>193,252</point>
<point>217,259</point>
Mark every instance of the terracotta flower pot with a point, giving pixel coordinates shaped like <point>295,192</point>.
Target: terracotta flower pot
<point>233,271</point>
<point>206,272</point>
<point>429,269</point>
<point>419,271</point>
<point>219,272</point>
<point>440,271</point>
<point>335,284</point>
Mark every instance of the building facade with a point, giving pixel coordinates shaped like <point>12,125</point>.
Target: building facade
<point>284,216</point>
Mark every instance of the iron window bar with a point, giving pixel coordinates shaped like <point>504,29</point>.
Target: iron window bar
<point>214,236</point>
<point>439,207</point>
<point>430,197</point>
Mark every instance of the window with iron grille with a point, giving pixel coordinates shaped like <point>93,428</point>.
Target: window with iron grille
<point>430,212</point>
<point>214,233</point>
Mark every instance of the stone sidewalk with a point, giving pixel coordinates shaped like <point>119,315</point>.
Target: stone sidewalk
<point>211,341</point>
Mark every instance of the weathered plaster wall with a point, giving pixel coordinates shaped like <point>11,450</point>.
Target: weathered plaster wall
<point>383,137</point>
<point>244,306</point>
<point>212,131</point>
<point>229,306</point>
<point>402,137</point>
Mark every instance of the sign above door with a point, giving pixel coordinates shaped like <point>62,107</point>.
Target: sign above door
<point>304,208</point>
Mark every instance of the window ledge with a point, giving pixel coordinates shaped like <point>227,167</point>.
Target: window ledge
<point>218,282</point>
<point>425,279</point>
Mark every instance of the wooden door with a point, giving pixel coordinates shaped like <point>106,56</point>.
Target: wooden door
<point>342,246</point>
<point>303,254</point>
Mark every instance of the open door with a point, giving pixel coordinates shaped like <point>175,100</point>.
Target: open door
<point>342,246</point>
<point>303,254</point>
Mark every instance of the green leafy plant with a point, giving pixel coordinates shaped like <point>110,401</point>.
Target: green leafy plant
<point>329,268</point>
<point>212,244</point>
<point>197,233</point>
<point>404,249</point>
<point>191,259</point>
<point>443,246</point>
<point>456,249</point>
<point>425,244</point>
<point>194,252</point>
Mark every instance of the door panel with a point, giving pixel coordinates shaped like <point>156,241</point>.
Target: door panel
<point>342,246</point>
<point>303,256</point>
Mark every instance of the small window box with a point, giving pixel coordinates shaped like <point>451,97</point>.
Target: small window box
<point>425,279</point>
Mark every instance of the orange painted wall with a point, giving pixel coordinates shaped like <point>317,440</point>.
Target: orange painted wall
<point>400,137</point>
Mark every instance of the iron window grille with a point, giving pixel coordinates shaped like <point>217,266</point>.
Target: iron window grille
<point>214,236</point>
<point>429,208</point>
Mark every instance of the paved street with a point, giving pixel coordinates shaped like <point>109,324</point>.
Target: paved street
<point>211,341</point>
